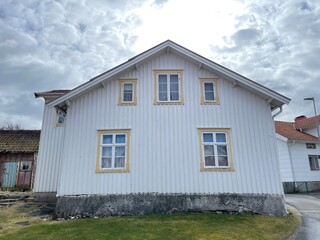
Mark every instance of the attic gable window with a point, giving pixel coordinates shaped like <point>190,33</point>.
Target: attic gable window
<point>128,92</point>
<point>60,118</point>
<point>113,151</point>
<point>311,145</point>
<point>209,91</point>
<point>215,149</point>
<point>168,87</point>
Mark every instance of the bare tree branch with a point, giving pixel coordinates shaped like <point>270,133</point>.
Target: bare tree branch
<point>10,126</point>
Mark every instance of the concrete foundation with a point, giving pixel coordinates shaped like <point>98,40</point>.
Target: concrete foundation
<point>81,206</point>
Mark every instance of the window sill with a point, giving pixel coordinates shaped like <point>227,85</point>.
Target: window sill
<point>227,169</point>
<point>127,104</point>
<point>168,103</point>
<point>211,103</point>
<point>113,171</point>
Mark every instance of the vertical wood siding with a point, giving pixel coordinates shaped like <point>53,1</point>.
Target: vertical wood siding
<point>49,156</point>
<point>300,162</point>
<point>165,150</point>
<point>284,161</point>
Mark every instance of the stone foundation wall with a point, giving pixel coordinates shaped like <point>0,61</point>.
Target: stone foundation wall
<point>81,206</point>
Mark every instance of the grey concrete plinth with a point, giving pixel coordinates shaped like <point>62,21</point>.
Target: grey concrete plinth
<point>145,203</point>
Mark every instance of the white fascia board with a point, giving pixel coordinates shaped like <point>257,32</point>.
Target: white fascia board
<point>126,65</point>
<point>163,46</point>
<point>280,137</point>
<point>235,76</point>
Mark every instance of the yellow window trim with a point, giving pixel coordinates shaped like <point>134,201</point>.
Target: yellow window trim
<point>179,72</point>
<point>202,99</point>
<point>226,169</point>
<point>120,100</point>
<point>127,167</point>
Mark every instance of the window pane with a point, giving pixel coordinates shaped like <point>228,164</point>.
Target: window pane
<point>127,87</point>
<point>221,137</point>
<point>209,161</point>
<point>25,166</point>
<point>222,150</point>
<point>313,162</point>
<point>119,162</point>
<point>120,138</point>
<point>163,87</point>
<point>163,96</point>
<point>162,79</point>
<point>106,162</point>
<point>174,96</point>
<point>311,145</point>
<point>107,139</point>
<point>120,151</point>
<point>209,96</point>
<point>174,87</point>
<point>174,78</point>
<point>60,120</point>
<point>106,151</point>
<point>127,97</point>
<point>208,150</point>
<point>207,137</point>
<point>208,87</point>
<point>223,160</point>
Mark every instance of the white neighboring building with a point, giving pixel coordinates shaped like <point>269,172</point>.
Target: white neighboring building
<point>299,154</point>
<point>168,129</point>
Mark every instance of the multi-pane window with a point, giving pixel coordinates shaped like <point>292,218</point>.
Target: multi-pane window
<point>215,149</point>
<point>113,151</point>
<point>168,87</point>
<point>314,162</point>
<point>127,94</point>
<point>209,91</point>
<point>311,145</point>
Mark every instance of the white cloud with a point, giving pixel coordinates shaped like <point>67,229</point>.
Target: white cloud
<point>51,44</point>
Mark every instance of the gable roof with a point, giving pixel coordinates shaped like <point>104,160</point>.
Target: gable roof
<point>307,122</point>
<point>275,99</point>
<point>287,130</point>
<point>15,141</point>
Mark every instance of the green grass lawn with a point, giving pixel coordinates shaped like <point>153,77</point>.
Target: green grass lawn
<point>177,226</point>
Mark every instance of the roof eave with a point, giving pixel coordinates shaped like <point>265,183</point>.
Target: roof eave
<point>276,99</point>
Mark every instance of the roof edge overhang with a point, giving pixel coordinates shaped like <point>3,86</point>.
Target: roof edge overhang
<point>279,136</point>
<point>302,141</point>
<point>275,99</point>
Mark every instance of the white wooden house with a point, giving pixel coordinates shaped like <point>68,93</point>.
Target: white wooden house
<point>299,154</point>
<point>168,129</point>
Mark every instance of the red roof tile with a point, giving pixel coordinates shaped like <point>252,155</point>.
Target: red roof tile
<point>287,130</point>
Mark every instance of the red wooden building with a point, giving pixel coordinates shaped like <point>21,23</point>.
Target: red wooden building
<point>18,155</point>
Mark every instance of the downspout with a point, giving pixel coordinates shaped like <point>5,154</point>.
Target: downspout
<point>291,165</point>
<point>276,114</point>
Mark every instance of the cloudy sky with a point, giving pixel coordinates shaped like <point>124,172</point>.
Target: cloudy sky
<point>47,44</point>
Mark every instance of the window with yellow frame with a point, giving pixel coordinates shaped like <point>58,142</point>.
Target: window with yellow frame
<point>209,91</point>
<point>168,87</point>
<point>113,151</point>
<point>128,92</point>
<point>215,149</point>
